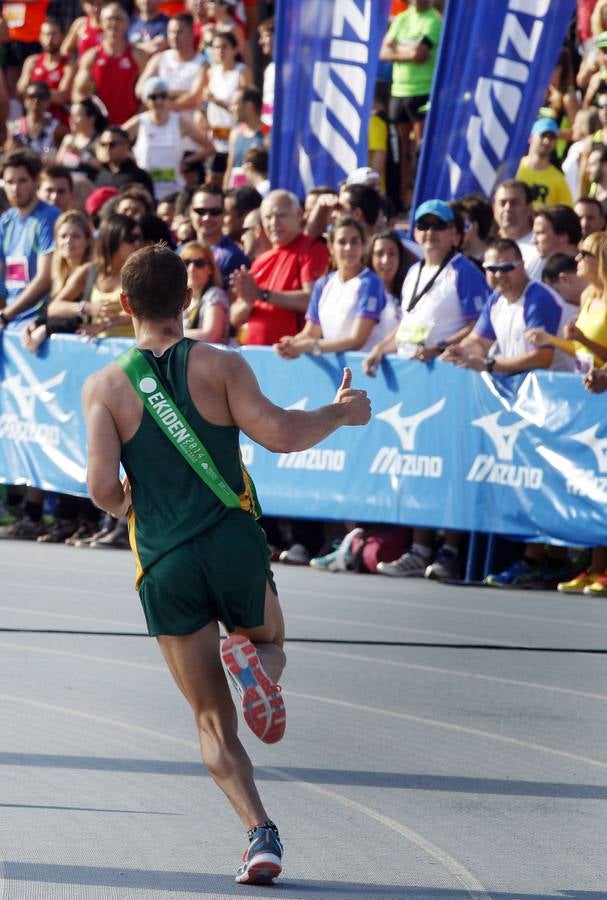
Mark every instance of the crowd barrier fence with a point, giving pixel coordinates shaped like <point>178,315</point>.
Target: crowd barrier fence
<point>445,447</point>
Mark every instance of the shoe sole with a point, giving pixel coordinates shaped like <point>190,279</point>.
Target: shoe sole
<point>263,870</point>
<point>262,703</point>
<point>416,573</point>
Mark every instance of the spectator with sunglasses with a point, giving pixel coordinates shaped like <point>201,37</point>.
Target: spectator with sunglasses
<point>157,135</point>
<point>498,342</point>
<point>118,168</point>
<point>206,214</point>
<point>441,298</point>
<point>37,130</point>
<point>206,318</point>
<point>442,294</point>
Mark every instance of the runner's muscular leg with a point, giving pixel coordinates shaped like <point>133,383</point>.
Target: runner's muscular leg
<point>195,664</point>
<point>269,637</point>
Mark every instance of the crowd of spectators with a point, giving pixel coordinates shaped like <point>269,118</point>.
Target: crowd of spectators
<point>138,122</point>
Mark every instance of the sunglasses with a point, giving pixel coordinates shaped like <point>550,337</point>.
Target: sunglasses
<point>135,238</point>
<point>208,211</point>
<point>426,225</point>
<point>160,96</point>
<point>585,254</point>
<point>502,268</point>
<point>111,144</point>
<point>198,263</point>
<point>35,96</point>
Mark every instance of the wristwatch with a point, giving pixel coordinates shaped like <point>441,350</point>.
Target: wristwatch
<point>490,364</point>
<point>316,348</point>
<point>265,296</point>
<point>3,320</point>
<point>442,346</point>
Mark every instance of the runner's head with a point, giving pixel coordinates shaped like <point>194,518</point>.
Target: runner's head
<point>154,282</point>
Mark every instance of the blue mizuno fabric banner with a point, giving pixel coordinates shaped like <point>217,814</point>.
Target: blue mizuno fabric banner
<point>326,54</point>
<point>494,66</point>
<point>445,447</point>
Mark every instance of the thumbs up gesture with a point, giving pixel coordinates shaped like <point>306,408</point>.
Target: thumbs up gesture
<point>354,404</point>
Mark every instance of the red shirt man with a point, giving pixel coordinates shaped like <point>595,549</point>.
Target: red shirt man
<point>111,69</point>
<point>273,296</point>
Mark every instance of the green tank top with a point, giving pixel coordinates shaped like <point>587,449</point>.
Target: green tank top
<point>171,504</point>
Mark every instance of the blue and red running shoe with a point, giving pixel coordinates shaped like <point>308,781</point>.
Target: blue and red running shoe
<point>262,860</point>
<point>262,703</point>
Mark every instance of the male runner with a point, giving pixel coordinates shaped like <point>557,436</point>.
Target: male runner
<point>198,562</point>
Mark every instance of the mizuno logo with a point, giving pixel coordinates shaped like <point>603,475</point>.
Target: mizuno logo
<point>27,394</point>
<point>345,72</point>
<point>498,98</point>
<point>598,445</point>
<point>406,426</point>
<point>503,436</point>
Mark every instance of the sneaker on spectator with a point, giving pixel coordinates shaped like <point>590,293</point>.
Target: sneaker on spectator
<point>519,575</point>
<point>118,539</point>
<point>24,529</point>
<point>325,563</point>
<point>57,532</point>
<point>409,565</point>
<point>297,555</point>
<point>598,588</point>
<point>262,860</point>
<point>577,584</point>
<point>445,566</point>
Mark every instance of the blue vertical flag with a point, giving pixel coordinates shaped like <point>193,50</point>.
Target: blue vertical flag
<point>326,54</point>
<point>494,66</point>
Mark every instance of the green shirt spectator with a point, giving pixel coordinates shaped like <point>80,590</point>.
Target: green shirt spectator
<point>413,36</point>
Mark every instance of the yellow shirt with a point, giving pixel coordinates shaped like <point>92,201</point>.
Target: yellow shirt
<point>548,185</point>
<point>592,320</point>
<point>378,140</point>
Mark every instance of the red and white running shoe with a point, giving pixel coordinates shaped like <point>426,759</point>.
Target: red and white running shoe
<point>262,703</point>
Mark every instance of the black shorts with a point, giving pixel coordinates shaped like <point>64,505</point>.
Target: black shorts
<point>217,164</point>
<point>407,109</point>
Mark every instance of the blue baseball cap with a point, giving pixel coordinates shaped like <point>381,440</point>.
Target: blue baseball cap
<point>542,126</point>
<point>437,208</point>
<point>153,84</point>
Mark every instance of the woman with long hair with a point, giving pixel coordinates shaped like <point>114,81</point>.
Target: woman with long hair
<point>386,256</point>
<point>206,318</point>
<point>348,309</point>
<point>586,338</point>
<point>73,248</point>
<point>77,149</point>
<point>224,77</point>
<point>94,288</point>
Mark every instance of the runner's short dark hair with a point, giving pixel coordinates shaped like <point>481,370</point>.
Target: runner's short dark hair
<point>154,280</point>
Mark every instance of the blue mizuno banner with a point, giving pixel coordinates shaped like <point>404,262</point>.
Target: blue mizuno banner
<point>445,447</point>
<point>494,66</point>
<point>326,54</point>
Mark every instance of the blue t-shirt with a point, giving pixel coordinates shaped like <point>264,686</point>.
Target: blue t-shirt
<point>140,31</point>
<point>22,241</point>
<point>229,257</point>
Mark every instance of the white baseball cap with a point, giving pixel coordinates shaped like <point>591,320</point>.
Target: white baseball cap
<point>363,175</point>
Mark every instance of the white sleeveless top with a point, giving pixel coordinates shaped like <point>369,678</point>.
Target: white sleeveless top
<point>179,75</point>
<point>158,150</point>
<point>222,85</point>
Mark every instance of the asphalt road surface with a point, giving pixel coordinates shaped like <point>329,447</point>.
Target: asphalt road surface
<point>442,742</point>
